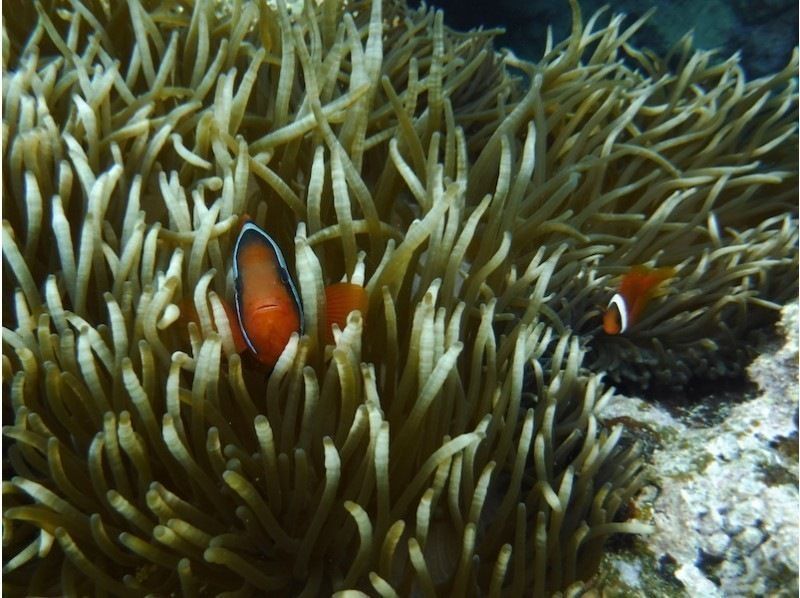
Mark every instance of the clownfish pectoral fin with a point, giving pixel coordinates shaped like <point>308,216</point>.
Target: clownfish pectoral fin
<point>615,318</point>
<point>268,305</point>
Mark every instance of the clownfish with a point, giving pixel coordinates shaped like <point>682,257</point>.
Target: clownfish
<point>268,307</point>
<point>636,290</point>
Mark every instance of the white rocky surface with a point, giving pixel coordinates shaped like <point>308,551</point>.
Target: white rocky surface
<point>724,499</point>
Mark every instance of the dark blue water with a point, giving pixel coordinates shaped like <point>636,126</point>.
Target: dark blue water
<point>764,30</point>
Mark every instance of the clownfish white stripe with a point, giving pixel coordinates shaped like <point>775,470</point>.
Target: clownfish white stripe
<point>618,301</point>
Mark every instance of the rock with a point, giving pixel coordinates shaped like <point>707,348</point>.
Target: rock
<point>724,494</point>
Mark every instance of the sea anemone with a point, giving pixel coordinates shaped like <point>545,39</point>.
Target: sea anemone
<point>676,161</point>
<point>447,444</point>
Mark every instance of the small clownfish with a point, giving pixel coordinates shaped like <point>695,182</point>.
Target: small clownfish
<point>340,299</point>
<point>636,290</point>
<point>268,306</point>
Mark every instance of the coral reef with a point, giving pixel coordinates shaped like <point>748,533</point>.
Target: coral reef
<point>724,496</point>
<point>446,444</point>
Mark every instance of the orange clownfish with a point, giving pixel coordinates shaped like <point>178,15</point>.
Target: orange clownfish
<point>636,290</point>
<point>268,306</point>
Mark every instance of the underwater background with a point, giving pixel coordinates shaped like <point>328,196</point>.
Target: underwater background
<point>765,31</point>
<point>454,441</point>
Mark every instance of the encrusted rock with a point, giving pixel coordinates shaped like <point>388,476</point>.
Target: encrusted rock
<point>724,499</point>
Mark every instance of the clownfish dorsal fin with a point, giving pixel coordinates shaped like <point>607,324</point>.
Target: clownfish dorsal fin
<point>640,286</point>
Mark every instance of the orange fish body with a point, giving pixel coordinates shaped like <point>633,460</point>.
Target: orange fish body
<point>636,290</point>
<point>340,299</point>
<point>268,306</point>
